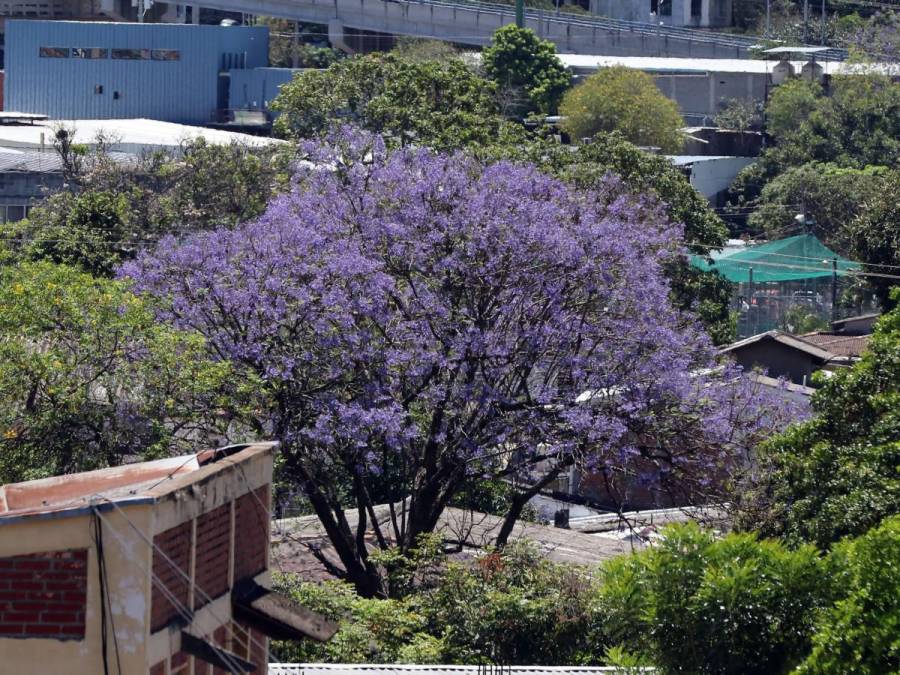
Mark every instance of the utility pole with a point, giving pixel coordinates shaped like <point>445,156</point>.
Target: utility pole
<point>823,24</point>
<point>520,13</point>
<point>806,22</point>
<point>768,18</point>
<point>834,280</point>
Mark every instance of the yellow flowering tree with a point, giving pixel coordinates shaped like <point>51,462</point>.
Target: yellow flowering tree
<point>624,100</point>
<point>88,376</point>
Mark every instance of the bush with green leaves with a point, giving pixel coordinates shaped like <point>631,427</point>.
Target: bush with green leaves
<point>830,196</point>
<point>442,104</point>
<point>835,475</point>
<point>88,376</point>
<point>860,633</point>
<point>697,604</point>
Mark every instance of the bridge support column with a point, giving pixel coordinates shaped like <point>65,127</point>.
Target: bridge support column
<point>337,37</point>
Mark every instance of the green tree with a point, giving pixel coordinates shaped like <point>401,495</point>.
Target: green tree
<point>873,236</point>
<point>856,125</point>
<point>829,195</point>
<point>790,104</point>
<point>861,632</point>
<point>443,104</point>
<point>835,475</point>
<point>697,604</point>
<point>517,59</point>
<point>111,210</point>
<point>624,100</point>
<point>92,230</point>
<point>89,376</point>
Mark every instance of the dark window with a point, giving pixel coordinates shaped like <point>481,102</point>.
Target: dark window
<point>116,95</point>
<point>89,53</point>
<point>696,7</point>
<point>166,55</point>
<point>14,213</point>
<point>665,8</point>
<point>131,54</point>
<point>98,88</point>
<point>54,52</point>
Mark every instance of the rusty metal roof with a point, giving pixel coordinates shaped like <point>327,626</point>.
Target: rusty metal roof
<point>143,482</point>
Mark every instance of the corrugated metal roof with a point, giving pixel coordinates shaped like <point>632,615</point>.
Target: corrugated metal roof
<point>128,135</point>
<point>403,669</point>
<point>684,65</point>
<point>127,483</point>
<point>13,160</point>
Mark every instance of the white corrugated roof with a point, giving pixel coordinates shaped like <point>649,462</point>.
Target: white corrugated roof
<point>131,135</point>
<point>665,64</point>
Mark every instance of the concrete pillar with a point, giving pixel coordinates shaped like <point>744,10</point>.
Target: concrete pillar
<point>704,13</point>
<point>337,38</point>
<point>195,15</point>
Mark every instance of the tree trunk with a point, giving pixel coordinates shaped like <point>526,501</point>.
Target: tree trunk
<point>518,503</point>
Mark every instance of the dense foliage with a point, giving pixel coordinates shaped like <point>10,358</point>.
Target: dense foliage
<point>111,208</point>
<point>874,236</point>
<point>829,195</point>
<point>624,100</point>
<point>693,603</point>
<point>442,104</point>
<point>419,319</point>
<point>836,474</point>
<point>89,377</point>
<point>698,604</point>
<point>519,61</point>
<point>861,632</point>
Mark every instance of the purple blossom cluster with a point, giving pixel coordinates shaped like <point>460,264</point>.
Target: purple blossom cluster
<point>438,318</point>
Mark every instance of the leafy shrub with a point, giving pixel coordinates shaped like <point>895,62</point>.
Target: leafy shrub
<point>861,632</point>
<point>697,604</point>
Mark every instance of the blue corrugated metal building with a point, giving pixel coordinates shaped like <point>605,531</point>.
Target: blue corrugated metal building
<point>93,70</point>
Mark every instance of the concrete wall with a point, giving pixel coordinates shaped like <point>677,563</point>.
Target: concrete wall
<point>700,96</point>
<point>712,176</point>
<point>183,90</point>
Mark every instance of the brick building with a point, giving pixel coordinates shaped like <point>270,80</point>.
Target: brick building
<point>159,567</point>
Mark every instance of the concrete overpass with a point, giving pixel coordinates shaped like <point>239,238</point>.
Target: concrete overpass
<point>473,23</point>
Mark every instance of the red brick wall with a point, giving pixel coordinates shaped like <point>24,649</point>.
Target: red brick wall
<point>176,544</point>
<point>251,530</point>
<point>213,544</point>
<point>44,595</point>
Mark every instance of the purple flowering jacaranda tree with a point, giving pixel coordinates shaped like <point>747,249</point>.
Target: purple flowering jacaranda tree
<point>416,320</point>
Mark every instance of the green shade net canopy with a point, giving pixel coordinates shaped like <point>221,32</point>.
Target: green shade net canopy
<point>792,259</point>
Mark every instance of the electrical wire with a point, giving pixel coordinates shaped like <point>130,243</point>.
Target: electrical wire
<point>203,595</point>
<point>183,611</point>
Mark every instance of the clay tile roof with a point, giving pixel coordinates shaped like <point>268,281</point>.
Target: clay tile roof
<point>838,344</point>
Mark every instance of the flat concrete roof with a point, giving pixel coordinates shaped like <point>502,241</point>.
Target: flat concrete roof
<point>131,135</point>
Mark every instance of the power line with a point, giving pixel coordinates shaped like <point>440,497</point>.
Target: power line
<point>796,257</point>
<point>182,610</point>
<point>204,596</point>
